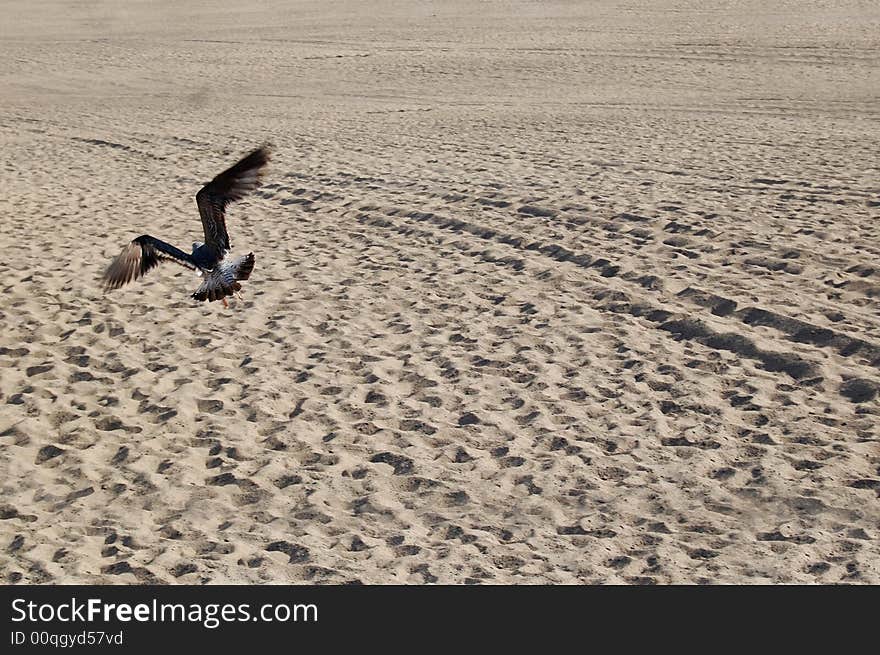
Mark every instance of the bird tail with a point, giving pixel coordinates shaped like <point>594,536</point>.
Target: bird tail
<point>223,280</point>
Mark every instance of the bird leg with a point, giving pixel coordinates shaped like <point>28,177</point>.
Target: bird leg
<point>225,304</point>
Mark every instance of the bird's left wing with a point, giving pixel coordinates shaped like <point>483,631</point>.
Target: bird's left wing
<point>140,256</point>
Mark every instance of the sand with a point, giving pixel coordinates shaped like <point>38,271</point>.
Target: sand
<point>552,292</point>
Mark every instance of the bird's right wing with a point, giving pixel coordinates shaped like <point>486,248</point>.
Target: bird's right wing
<point>141,255</point>
<point>232,184</point>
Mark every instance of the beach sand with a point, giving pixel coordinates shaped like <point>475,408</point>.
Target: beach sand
<point>545,292</point>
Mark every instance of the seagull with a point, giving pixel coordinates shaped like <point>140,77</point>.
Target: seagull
<point>212,259</point>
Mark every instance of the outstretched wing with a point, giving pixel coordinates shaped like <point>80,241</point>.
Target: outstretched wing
<point>141,255</point>
<point>232,184</point>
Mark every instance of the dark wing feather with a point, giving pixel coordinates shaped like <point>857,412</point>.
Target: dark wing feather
<point>232,184</point>
<point>141,255</point>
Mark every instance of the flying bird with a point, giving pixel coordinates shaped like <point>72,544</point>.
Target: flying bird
<point>212,260</point>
